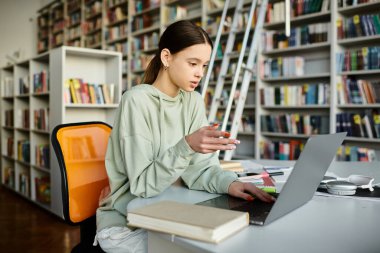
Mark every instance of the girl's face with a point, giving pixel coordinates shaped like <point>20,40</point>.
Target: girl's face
<point>187,67</point>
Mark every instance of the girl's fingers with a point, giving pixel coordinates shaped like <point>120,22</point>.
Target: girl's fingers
<point>217,134</point>
<point>215,147</point>
<point>221,141</point>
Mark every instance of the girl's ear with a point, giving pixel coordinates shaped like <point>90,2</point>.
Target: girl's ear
<point>165,57</point>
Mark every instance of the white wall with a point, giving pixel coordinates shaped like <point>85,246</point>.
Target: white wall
<point>18,27</point>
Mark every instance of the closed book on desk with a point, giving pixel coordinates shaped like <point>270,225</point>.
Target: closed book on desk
<point>193,221</point>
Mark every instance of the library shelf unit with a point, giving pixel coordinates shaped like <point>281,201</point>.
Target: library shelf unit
<point>147,19</point>
<point>321,62</point>
<point>33,102</point>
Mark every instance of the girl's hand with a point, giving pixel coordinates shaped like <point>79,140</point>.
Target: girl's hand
<point>208,140</point>
<point>246,190</point>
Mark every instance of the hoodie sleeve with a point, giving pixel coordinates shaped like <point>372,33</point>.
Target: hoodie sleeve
<point>148,175</point>
<point>204,171</point>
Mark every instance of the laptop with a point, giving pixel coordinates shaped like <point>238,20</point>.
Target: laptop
<point>300,187</point>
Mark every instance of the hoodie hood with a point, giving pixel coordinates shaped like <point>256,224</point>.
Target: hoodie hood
<point>153,91</point>
<point>164,101</point>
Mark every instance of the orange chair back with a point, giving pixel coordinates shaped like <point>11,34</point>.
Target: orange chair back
<point>80,149</point>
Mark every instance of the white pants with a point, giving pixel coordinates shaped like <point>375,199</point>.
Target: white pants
<point>122,239</point>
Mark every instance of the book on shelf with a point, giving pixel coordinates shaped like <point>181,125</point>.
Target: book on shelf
<point>367,57</point>
<point>9,177</point>
<point>76,91</point>
<point>352,91</point>
<point>363,125</point>
<point>42,155</point>
<point>356,154</point>
<point>203,223</point>
<point>358,26</point>
<point>279,150</point>
<point>24,186</point>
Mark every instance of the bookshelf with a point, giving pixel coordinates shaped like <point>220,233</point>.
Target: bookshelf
<point>33,102</point>
<point>147,19</point>
<point>324,63</point>
<point>357,83</point>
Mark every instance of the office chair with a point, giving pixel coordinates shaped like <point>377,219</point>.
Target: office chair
<point>80,149</point>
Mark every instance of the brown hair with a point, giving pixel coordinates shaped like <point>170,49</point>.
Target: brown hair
<point>176,37</point>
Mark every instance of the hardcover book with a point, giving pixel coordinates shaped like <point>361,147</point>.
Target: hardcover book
<point>192,221</point>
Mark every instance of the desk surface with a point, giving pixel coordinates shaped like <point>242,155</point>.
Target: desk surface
<point>321,225</point>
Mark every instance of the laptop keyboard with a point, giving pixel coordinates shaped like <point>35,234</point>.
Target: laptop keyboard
<point>258,210</point>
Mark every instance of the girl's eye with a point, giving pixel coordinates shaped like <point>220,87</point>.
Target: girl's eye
<point>193,64</point>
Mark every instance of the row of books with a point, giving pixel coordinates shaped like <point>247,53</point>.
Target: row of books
<point>276,13</point>
<point>364,125</point>
<point>116,32</point>
<point>222,46</point>
<point>230,72</point>
<point>43,194</point>
<point>111,3</point>
<point>282,67</point>
<point>212,24</point>
<point>347,3</point>
<point>247,124</point>
<point>242,22</point>
<point>41,82</point>
<point>23,150</point>
<point>356,154</point>
<point>145,21</point>
<point>141,61</point>
<point>74,33</point>
<point>73,6</point>
<point>57,13</point>
<point>7,86</point>
<point>358,26</point>
<point>79,92</point>
<point>42,155</point>
<point>141,5</point>
<point>295,123</point>
<point>352,91</point>
<point>41,119</point>
<point>8,118</point>
<point>280,150</point>
<point>24,185</point>
<point>74,18</point>
<point>10,146</point>
<point>23,115</point>
<point>91,26</point>
<point>58,26</point>
<point>117,14</point>
<point>303,7</point>
<point>182,11</point>
<point>303,35</point>
<point>74,43</point>
<point>121,47</point>
<point>214,4</point>
<point>365,58</point>
<point>296,95</point>
<point>23,85</point>
<point>93,40</point>
<point>57,39</point>
<point>93,9</point>
<point>147,41</point>
<point>9,177</point>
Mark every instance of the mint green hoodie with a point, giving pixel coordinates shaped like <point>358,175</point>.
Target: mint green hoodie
<point>147,151</point>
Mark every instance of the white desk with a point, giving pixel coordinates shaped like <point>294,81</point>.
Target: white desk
<point>321,225</point>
